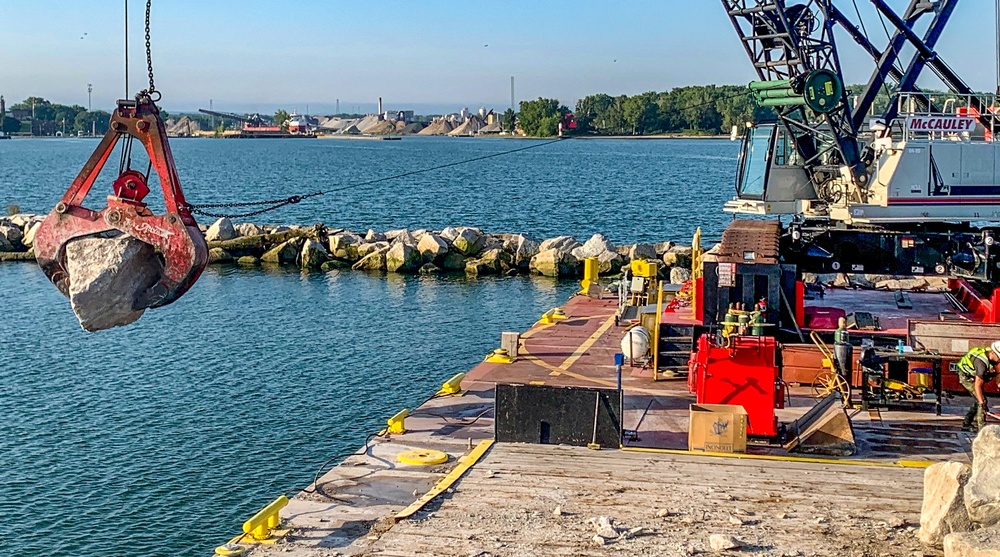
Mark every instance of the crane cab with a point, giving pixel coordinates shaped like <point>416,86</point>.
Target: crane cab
<point>770,178</point>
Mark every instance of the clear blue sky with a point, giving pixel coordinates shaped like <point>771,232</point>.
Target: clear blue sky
<point>428,54</point>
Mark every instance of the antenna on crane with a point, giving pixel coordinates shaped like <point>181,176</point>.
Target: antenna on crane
<point>996,34</point>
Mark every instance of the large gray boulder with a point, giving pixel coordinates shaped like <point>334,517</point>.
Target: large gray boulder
<point>490,262</point>
<point>595,246</point>
<point>609,263</point>
<point>369,248</point>
<point>979,543</point>
<point>391,235</point>
<point>555,263</point>
<point>372,236</point>
<point>107,277</point>
<point>283,253</point>
<point>219,255</point>
<point>29,235</point>
<point>469,241</point>
<point>248,229</point>
<point>404,237</point>
<point>943,510</point>
<point>22,220</point>
<point>313,254</point>
<point>403,258</point>
<point>345,246</point>
<point>523,248</point>
<point>431,246</point>
<point>449,233</point>
<point>374,261</point>
<point>662,247</point>
<point>221,229</point>
<point>453,261</point>
<point>676,256</point>
<point>561,243</point>
<point>982,493</point>
<point>638,251</point>
<point>680,275</point>
<point>5,244</point>
<point>11,233</point>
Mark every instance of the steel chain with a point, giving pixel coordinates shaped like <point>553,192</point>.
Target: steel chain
<point>273,204</point>
<point>149,53</point>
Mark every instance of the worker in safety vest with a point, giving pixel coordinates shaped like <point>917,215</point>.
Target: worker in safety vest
<point>975,369</point>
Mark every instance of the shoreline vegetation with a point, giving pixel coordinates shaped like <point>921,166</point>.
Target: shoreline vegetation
<point>688,111</point>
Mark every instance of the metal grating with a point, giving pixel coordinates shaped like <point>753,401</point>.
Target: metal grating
<point>750,241</point>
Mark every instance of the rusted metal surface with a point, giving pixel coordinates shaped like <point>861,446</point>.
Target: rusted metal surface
<point>749,241</point>
<point>174,234</point>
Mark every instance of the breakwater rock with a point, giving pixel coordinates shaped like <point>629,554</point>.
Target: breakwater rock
<point>453,249</point>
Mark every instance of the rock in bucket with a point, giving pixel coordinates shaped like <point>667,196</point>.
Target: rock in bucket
<point>107,275</point>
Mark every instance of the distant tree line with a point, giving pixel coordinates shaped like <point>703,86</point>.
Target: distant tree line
<point>701,109</point>
<point>694,110</point>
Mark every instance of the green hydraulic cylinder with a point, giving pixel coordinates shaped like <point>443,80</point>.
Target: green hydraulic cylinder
<point>783,101</point>
<point>765,85</point>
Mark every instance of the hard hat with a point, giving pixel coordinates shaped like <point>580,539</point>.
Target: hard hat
<point>995,347</point>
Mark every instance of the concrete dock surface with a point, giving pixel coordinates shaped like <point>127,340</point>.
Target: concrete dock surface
<point>506,503</point>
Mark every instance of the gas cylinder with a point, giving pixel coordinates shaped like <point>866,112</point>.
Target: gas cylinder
<point>635,343</point>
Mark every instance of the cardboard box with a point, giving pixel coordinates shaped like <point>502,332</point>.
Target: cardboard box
<point>718,428</point>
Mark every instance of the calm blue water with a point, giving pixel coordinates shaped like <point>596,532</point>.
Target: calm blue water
<point>170,432</point>
<point>629,190</point>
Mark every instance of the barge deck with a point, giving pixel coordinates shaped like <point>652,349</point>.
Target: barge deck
<point>500,499</point>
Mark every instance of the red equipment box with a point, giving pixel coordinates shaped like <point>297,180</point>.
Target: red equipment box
<point>745,373</point>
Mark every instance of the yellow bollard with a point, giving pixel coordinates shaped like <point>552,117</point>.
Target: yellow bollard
<point>590,271</point>
<point>499,356</point>
<point>553,315</point>
<point>397,423</point>
<point>260,526</point>
<point>696,269</point>
<point>452,386</point>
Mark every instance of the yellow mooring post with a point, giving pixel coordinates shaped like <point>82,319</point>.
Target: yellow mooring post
<point>656,332</point>
<point>261,526</point>
<point>590,270</point>
<point>452,386</point>
<point>695,265</point>
<point>397,423</point>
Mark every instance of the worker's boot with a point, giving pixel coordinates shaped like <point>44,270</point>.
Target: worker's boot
<point>980,420</point>
<point>970,416</point>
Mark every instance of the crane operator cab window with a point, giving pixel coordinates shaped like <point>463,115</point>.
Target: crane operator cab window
<point>756,157</point>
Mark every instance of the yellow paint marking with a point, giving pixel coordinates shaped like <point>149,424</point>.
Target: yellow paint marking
<point>587,343</point>
<point>456,473</point>
<point>537,383</point>
<point>557,371</point>
<point>538,327</point>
